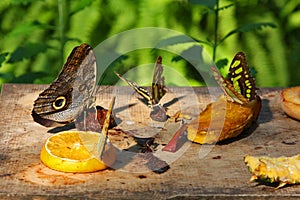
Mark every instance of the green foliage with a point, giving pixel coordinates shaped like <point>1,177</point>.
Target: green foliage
<point>212,7</point>
<point>27,51</point>
<point>3,58</point>
<point>222,63</point>
<point>246,28</point>
<point>37,36</point>
<point>27,77</point>
<point>206,3</point>
<point>80,5</point>
<point>24,2</point>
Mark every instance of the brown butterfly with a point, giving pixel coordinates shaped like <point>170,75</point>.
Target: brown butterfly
<point>71,93</point>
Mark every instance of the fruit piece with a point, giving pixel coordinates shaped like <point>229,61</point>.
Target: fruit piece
<point>229,120</point>
<point>70,151</point>
<point>284,170</point>
<point>177,140</point>
<point>290,102</point>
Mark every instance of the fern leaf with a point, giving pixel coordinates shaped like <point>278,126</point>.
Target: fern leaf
<point>80,5</point>
<point>226,7</point>
<point>28,77</point>
<point>2,57</point>
<point>247,28</point>
<point>207,3</point>
<point>28,28</point>
<point>24,2</point>
<point>192,54</point>
<point>222,63</point>
<point>27,51</point>
<point>180,39</point>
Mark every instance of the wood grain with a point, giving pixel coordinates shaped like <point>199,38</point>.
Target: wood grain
<point>201,171</point>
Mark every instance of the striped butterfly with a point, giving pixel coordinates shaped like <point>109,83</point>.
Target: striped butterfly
<point>239,86</point>
<point>158,90</point>
<point>71,93</point>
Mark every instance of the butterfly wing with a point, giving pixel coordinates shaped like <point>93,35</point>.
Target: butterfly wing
<point>71,92</point>
<point>158,82</point>
<point>140,90</point>
<point>228,88</point>
<point>240,86</point>
<point>239,76</point>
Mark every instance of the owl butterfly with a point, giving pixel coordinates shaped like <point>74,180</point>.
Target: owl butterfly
<point>71,93</point>
<point>238,108</point>
<point>158,90</point>
<point>240,86</point>
<point>282,170</point>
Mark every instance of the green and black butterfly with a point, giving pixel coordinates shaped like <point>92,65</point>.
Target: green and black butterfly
<point>158,90</point>
<point>240,85</point>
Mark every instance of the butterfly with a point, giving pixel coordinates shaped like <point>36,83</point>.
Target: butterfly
<point>240,85</point>
<point>71,93</point>
<point>158,90</point>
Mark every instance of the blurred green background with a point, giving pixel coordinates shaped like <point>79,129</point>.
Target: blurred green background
<point>36,36</point>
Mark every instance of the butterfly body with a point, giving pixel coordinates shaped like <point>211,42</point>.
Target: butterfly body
<point>233,112</point>
<point>72,91</point>
<point>158,90</point>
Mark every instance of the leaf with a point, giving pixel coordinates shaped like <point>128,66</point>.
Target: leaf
<point>180,39</point>
<point>226,7</point>
<point>24,2</point>
<point>28,77</point>
<point>192,55</point>
<point>80,5</point>
<point>2,57</point>
<point>207,3</point>
<point>27,28</point>
<point>27,51</point>
<point>8,76</point>
<point>247,28</point>
<point>253,72</point>
<point>222,63</point>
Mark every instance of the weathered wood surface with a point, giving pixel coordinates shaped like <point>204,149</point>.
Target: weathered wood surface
<point>220,174</point>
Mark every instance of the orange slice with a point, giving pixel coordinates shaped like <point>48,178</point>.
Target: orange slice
<point>73,151</point>
<point>290,101</point>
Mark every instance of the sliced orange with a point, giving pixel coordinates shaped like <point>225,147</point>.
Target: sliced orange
<point>290,101</point>
<point>73,151</point>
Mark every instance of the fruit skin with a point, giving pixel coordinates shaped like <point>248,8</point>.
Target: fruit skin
<point>284,170</point>
<point>79,166</point>
<point>227,123</point>
<point>290,102</point>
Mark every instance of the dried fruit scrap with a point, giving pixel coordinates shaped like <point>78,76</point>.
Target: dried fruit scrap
<point>177,140</point>
<point>284,170</point>
<point>229,120</point>
<point>93,119</point>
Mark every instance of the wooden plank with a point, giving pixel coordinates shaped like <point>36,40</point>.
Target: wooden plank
<point>220,173</point>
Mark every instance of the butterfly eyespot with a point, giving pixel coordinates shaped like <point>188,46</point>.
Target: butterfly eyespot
<point>59,102</point>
